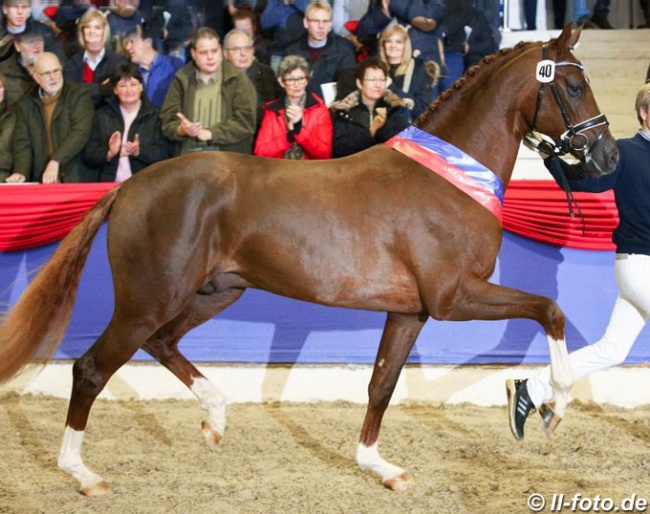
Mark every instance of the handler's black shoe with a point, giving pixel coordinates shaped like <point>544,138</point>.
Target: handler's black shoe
<point>519,406</point>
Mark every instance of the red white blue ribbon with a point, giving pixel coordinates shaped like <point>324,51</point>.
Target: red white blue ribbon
<point>454,165</point>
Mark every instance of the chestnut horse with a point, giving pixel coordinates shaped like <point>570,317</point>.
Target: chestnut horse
<point>375,231</point>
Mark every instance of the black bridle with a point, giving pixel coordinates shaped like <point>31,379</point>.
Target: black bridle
<point>573,140</point>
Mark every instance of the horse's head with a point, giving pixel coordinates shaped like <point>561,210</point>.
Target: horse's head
<point>565,108</point>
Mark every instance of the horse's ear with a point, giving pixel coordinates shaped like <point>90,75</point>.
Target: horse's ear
<point>568,39</point>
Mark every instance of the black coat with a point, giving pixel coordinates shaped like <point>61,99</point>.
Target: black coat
<point>101,88</point>
<point>108,119</point>
<point>352,123</point>
<point>338,54</point>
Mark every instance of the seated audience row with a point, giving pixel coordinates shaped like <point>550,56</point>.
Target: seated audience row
<point>146,105</point>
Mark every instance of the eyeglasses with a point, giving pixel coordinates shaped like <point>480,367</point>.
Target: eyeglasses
<point>242,49</point>
<point>292,80</point>
<point>50,74</point>
<point>375,80</point>
<point>318,22</point>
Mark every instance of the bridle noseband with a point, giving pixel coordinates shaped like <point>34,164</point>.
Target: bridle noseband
<point>573,139</point>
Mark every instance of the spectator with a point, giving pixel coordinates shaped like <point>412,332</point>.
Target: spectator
<point>156,68</point>
<point>284,18</point>
<point>7,124</point>
<point>96,62</point>
<point>246,20</point>
<point>485,36</point>
<point>123,18</point>
<point>67,17</point>
<point>17,69</point>
<point>371,115</point>
<point>596,20</point>
<point>412,78</point>
<point>182,23</point>
<point>53,123</point>
<point>344,11</point>
<point>423,16</point>
<point>298,124</point>
<point>127,132</point>
<point>530,14</point>
<point>17,19</point>
<point>326,52</point>
<point>238,49</point>
<point>458,15</point>
<point>210,104</point>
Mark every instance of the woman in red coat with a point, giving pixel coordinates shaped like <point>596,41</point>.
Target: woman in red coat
<point>297,125</point>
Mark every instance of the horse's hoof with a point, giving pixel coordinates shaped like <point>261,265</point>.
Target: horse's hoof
<point>398,483</point>
<point>212,437</point>
<point>98,489</point>
<point>550,420</point>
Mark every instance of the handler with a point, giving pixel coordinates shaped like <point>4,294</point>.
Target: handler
<point>631,184</point>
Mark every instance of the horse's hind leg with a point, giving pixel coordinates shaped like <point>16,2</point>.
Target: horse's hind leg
<point>483,300</point>
<point>90,374</point>
<point>162,346</point>
<point>400,333</point>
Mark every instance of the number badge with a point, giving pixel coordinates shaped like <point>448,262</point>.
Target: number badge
<point>545,72</point>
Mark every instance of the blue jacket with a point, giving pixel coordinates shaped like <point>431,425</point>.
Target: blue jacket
<point>160,77</point>
<point>426,43</point>
<point>631,184</point>
<point>285,21</point>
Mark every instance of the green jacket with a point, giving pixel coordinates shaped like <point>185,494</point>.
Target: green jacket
<point>71,123</point>
<point>7,124</point>
<point>239,107</point>
<point>17,79</point>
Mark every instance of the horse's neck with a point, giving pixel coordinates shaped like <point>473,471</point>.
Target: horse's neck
<point>489,139</point>
<point>484,117</point>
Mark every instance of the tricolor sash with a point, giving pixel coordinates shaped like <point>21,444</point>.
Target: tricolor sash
<point>454,165</point>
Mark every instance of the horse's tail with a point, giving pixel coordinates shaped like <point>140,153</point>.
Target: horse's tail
<point>34,328</point>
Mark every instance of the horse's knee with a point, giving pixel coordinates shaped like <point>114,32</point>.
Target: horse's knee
<point>85,377</point>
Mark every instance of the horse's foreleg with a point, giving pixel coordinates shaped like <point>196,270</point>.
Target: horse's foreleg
<point>400,333</point>
<point>90,374</point>
<point>483,300</point>
<point>162,346</point>
<point>553,410</point>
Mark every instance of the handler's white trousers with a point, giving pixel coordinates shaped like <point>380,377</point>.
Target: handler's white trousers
<point>631,311</point>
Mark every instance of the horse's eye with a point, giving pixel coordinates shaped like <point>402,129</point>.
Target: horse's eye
<point>575,89</point>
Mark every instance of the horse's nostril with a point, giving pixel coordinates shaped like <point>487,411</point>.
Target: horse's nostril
<point>613,159</point>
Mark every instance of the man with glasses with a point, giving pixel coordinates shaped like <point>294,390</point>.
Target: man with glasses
<point>210,104</point>
<point>326,52</point>
<point>17,69</point>
<point>53,122</point>
<point>239,49</point>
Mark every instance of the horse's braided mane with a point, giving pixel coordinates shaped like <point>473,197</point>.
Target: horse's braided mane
<point>468,76</point>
